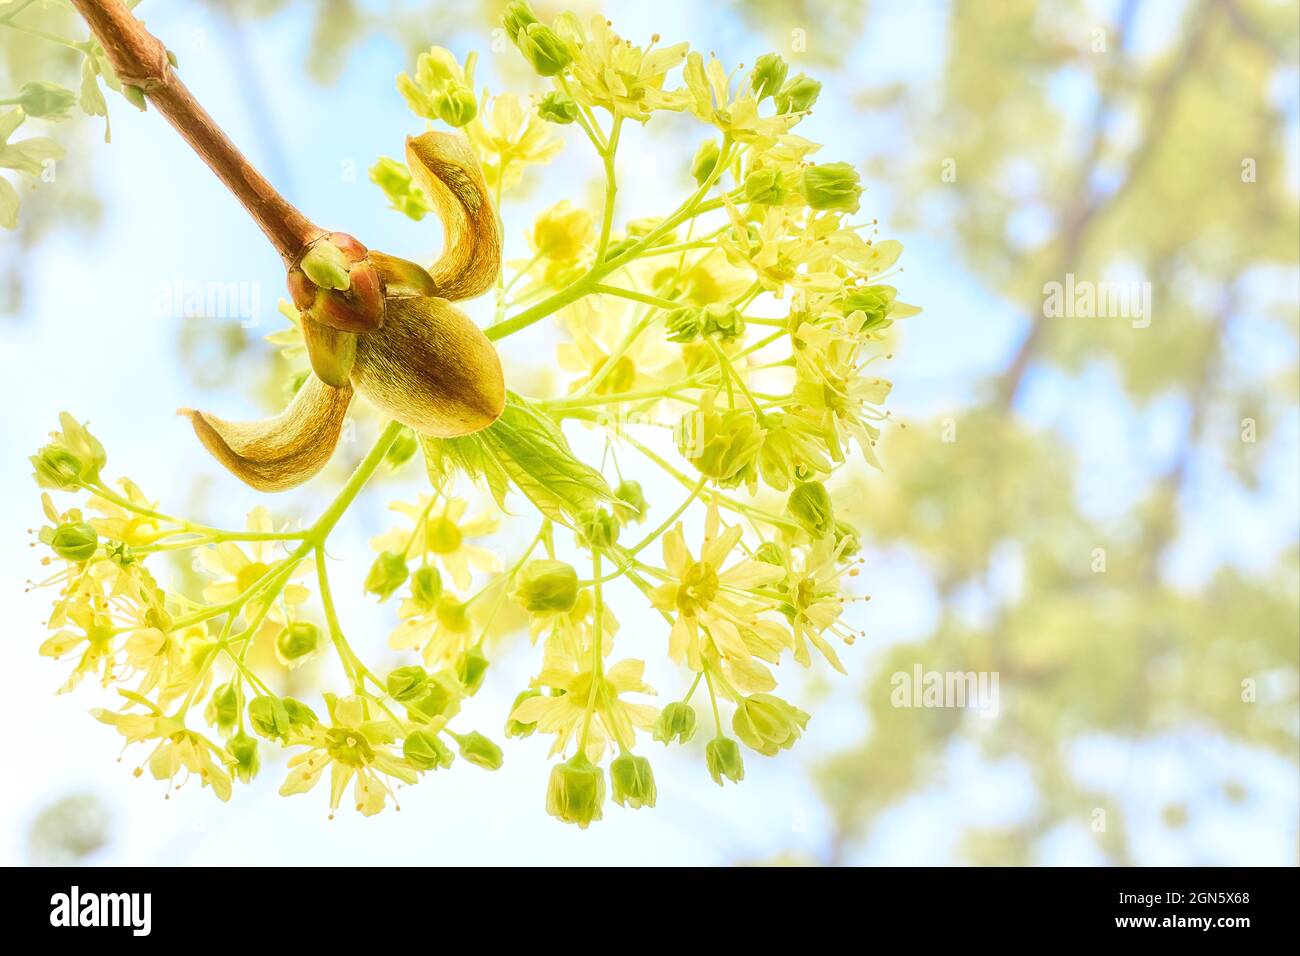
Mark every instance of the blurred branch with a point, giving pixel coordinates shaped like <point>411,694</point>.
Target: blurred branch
<point>141,60</point>
<point>1087,205</point>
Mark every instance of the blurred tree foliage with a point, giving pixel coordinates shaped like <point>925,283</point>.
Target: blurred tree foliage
<point>1177,175</point>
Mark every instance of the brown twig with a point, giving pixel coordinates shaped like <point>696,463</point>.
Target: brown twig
<point>141,60</point>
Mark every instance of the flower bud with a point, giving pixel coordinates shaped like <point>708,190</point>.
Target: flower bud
<point>406,683</point>
<point>722,756</point>
<point>558,108</point>
<point>455,105</point>
<point>48,101</point>
<point>75,457</point>
<point>798,94</point>
<point>439,696</point>
<point>269,717</point>
<point>763,186</point>
<point>810,505</point>
<point>546,585</point>
<point>426,585</point>
<point>723,321</point>
<point>222,711</point>
<point>597,529</point>
<point>515,728</point>
<point>632,781</point>
<point>423,750</point>
<point>402,449</point>
<point>706,159</point>
<point>518,16</point>
<point>832,186</point>
<point>720,445</point>
<point>683,325</point>
<point>846,539</point>
<point>575,792</point>
<point>632,499</point>
<point>543,49</point>
<point>74,541</point>
<point>676,722</point>
<point>768,75</point>
<point>243,749</point>
<point>873,302</point>
<point>300,715</point>
<point>398,185</point>
<point>472,668</point>
<point>769,552</point>
<point>387,574</point>
<point>479,751</point>
<point>767,723</point>
<point>296,642</point>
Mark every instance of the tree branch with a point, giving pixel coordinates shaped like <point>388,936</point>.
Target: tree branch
<point>141,60</point>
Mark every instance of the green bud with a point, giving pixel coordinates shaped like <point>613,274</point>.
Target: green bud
<point>426,585</point>
<point>48,101</point>
<point>810,505</point>
<point>56,468</point>
<point>676,722</point>
<point>518,16</point>
<point>472,668</point>
<point>406,197</point>
<point>723,321</point>
<point>832,186</point>
<point>326,265</point>
<point>74,540</point>
<point>558,108</point>
<point>633,782</point>
<point>402,450</point>
<point>846,539</point>
<point>769,552</point>
<point>513,727</point>
<point>543,49</point>
<point>405,684</point>
<point>546,585</point>
<point>269,717</point>
<point>223,707</point>
<point>300,715</point>
<point>455,105</point>
<point>386,575</point>
<point>597,529</point>
<point>296,641</point>
<point>634,506</point>
<point>720,445</point>
<point>575,792</point>
<point>683,325</point>
<point>798,94</point>
<point>767,723</point>
<point>722,756</point>
<point>423,750</point>
<point>763,186</point>
<point>243,749</point>
<point>479,751</point>
<point>768,75</point>
<point>440,697</point>
<point>873,302</point>
<point>706,159</point>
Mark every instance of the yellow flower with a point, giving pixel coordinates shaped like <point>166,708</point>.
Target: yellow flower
<point>613,74</point>
<point>598,330</point>
<point>358,749</point>
<point>508,138</point>
<point>611,719</point>
<point>711,100</point>
<point>119,524</point>
<point>815,602</point>
<point>563,233</point>
<point>177,749</point>
<point>716,613</point>
<point>441,533</point>
<point>237,569</point>
<point>442,631</point>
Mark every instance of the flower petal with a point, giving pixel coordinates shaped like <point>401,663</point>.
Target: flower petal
<point>281,452</point>
<point>446,168</point>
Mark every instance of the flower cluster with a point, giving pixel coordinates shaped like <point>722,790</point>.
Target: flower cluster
<point>742,321</point>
